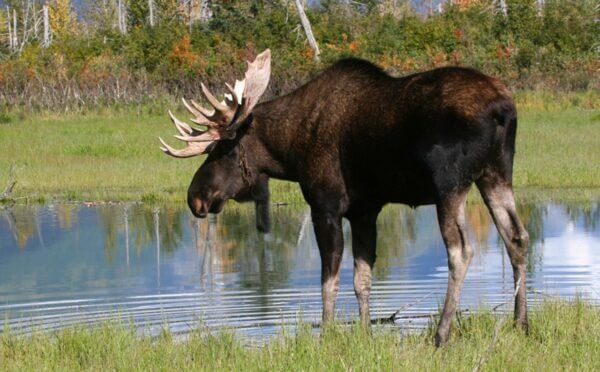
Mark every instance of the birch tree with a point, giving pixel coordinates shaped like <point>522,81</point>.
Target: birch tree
<point>308,30</point>
<point>151,12</point>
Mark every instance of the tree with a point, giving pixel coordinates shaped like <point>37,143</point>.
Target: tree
<point>63,20</point>
<point>4,37</point>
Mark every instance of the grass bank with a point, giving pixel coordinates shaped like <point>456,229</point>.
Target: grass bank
<point>563,336</point>
<point>114,156</point>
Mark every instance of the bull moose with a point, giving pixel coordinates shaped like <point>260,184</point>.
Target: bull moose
<point>355,138</point>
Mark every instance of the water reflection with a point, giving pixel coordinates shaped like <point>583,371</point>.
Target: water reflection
<point>62,264</point>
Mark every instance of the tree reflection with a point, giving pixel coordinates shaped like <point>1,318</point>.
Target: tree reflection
<point>589,214</point>
<point>21,226</point>
<point>396,237</point>
<point>141,225</point>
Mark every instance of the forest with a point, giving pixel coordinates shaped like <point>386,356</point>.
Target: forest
<point>61,56</point>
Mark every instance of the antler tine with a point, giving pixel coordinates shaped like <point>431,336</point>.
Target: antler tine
<point>192,149</point>
<point>182,127</point>
<point>205,136</point>
<point>194,111</point>
<point>208,124</point>
<point>205,112</point>
<point>213,100</point>
<point>201,118</point>
<point>237,96</point>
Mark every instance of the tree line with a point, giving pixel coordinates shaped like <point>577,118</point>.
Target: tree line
<point>120,52</point>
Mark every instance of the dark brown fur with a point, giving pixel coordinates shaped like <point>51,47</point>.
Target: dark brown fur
<point>355,139</point>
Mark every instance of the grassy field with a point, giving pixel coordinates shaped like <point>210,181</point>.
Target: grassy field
<point>563,336</point>
<point>114,156</point>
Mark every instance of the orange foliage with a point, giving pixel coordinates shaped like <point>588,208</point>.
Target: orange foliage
<point>182,55</point>
<point>459,33</point>
<point>456,57</point>
<point>344,46</point>
<point>308,53</point>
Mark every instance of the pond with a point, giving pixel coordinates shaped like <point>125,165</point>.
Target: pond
<point>67,264</point>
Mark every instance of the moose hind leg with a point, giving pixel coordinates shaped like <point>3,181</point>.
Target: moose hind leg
<point>364,240</point>
<point>500,201</point>
<point>451,218</point>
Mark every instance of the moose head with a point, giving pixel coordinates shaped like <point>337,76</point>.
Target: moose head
<point>226,173</point>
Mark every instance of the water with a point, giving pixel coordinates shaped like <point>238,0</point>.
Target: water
<point>76,264</point>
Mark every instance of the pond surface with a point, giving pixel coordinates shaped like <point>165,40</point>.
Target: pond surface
<point>75,264</point>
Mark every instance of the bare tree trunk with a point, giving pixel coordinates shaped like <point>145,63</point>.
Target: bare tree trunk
<point>308,30</point>
<point>10,36</point>
<point>190,18</point>
<point>122,16</point>
<point>151,11</point>
<point>36,20</point>
<point>25,24</point>
<point>503,8</point>
<point>540,7</point>
<point>15,35</point>
<point>206,12</point>
<point>46,42</point>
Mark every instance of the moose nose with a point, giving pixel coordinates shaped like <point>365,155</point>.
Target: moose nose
<point>199,208</point>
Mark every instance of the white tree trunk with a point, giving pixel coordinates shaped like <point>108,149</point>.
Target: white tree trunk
<point>15,36</point>
<point>308,30</point>
<point>25,35</point>
<point>10,37</point>
<point>540,7</point>
<point>36,21</point>
<point>151,12</point>
<point>122,17</point>
<point>503,7</point>
<point>46,42</point>
<point>190,15</point>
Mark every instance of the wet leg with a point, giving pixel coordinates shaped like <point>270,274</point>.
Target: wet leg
<point>328,230</point>
<point>451,218</point>
<point>501,203</point>
<point>364,240</point>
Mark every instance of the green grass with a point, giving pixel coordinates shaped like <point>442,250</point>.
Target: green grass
<point>114,155</point>
<point>563,335</point>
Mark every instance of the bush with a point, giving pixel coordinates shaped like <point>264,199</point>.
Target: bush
<point>554,49</point>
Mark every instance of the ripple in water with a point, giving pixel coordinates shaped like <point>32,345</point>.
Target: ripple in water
<point>65,264</point>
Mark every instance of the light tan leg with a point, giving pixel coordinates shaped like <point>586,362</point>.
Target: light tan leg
<point>451,217</point>
<point>501,204</point>
<point>364,240</point>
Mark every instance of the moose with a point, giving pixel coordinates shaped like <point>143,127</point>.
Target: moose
<point>355,139</point>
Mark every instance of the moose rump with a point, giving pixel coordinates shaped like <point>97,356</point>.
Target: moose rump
<point>355,139</point>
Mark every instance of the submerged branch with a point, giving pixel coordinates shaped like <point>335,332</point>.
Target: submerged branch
<point>395,316</point>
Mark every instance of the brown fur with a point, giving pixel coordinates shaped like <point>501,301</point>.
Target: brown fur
<point>355,139</point>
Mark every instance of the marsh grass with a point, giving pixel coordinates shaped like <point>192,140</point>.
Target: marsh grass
<point>114,155</point>
<point>563,335</point>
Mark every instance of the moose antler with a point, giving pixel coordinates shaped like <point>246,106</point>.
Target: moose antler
<point>226,116</point>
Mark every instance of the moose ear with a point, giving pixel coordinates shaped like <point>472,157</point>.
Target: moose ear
<point>260,195</point>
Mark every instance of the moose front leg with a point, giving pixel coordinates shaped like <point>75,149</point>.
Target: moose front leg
<point>451,218</point>
<point>328,230</point>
